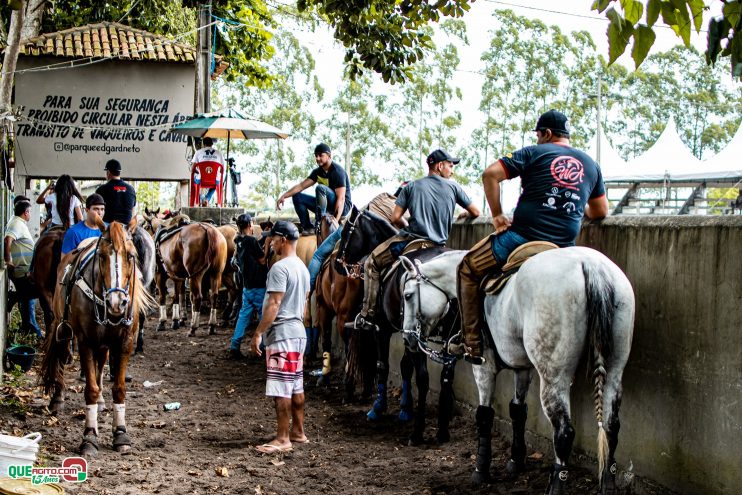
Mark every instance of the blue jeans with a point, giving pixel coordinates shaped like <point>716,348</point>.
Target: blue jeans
<point>209,195</point>
<point>323,251</point>
<point>504,244</point>
<point>32,317</point>
<point>252,300</point>
<point>303,203</point>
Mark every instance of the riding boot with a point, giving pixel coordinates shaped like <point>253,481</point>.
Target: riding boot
<point>476,264</point>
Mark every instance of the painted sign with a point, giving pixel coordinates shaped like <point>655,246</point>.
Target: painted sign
<point>75,119</point>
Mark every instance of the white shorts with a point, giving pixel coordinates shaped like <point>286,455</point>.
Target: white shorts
<point>285,362</point>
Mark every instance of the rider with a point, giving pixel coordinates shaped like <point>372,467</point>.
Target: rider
<point>332,191</point>
<point>207,154</point>
<point>431,201</point>
<point>120,196</point>
<point>559,184</point>
<point>63,204</point>
<point>95,206</point>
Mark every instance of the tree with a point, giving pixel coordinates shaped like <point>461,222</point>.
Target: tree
<point>636,20</point>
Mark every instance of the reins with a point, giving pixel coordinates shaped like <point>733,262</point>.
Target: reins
<point>352,270</point>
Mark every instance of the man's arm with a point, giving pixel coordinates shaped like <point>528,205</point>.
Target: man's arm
<point>296,189</point>
<point>597,208</point>
<point>8,242</point>
<point>491,178</point>
<point>397,217</point>
<point>471,212</point>
<point>269,316</point>
<point>339,202</point>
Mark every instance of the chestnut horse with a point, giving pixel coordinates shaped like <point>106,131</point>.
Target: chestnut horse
<point>230,231</point>
<point>99,304</point>
<point>193,251</point>
<point>47,252</point>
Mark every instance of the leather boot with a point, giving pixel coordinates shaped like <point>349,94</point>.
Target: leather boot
<point>475,265</point>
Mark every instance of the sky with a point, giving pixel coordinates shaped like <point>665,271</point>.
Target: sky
<point>572,15</point>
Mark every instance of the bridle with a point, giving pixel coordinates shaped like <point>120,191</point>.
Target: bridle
<point>440,356</point>
<point>352,270</point>
<point>126,318</point>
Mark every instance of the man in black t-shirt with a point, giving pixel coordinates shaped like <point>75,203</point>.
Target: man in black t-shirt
<point>560,184</point>
<point>120,196</point>
<point>332,191</point>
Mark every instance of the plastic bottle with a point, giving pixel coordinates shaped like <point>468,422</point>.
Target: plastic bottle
<point>171,406</point>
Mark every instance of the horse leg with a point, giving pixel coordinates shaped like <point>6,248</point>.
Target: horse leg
<point>89,445</point>
<point>140,334</point>
<point>445,402</point>
<point>182,305</point>
<point>382,376</point>
<point>485,378</point>
<point>195,304</point>
<point>161,280</point>
<point>406,367</point>
<point>518,416</point>
<point>178,309</point>
<point>121,441</point>
<point>555,402</point>
<point>368,363</point>
<point>611,403</point>
<point>216,282</point>
<point>423,382</point>
<point>101,357</point>
<point>326,325</point>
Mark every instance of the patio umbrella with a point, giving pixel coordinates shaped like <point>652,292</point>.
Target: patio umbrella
<point>230,124</point>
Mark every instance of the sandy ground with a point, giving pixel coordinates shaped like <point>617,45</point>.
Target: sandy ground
<point>208,445</point>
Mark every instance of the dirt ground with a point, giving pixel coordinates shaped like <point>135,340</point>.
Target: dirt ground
<point>208,445</point>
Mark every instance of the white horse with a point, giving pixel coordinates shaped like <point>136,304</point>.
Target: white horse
<point>560,303</point>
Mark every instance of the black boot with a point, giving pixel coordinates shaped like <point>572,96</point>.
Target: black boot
<point>518,416</point>
<point>485,416</point>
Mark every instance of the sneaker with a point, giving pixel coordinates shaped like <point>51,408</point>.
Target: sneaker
<point>236,355</point>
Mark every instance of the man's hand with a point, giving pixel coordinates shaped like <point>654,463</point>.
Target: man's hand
<point>463,215</point>
<point>501,223</point>
<point>279,203</point>
<point>255,344</point>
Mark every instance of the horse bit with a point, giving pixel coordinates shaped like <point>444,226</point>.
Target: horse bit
<point>126,319</point>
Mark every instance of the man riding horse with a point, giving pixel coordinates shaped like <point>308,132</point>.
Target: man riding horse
<point>95,206</point>
<point>559,184</point>
<point>431,202</point>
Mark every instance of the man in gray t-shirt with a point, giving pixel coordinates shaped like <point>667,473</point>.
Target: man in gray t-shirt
<point>431,202</point>
<point>282,330</point>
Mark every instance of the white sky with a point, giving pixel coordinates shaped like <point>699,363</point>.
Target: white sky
<point>569,16</point>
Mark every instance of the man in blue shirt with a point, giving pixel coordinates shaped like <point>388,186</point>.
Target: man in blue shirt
<point>560,184</point>
<point>95,206</point>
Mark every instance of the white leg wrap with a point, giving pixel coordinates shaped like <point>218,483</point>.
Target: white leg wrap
<point>194,319</point>
<point>119,415</point>
<point>176,311</point>
<point>163,313</point>
<point>212,317</point>
<point>91,417</point>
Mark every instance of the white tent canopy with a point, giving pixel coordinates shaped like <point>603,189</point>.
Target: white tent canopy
<point>611,164</point>
<point>728,162</point>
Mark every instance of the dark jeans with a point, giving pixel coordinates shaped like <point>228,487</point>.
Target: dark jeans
<point>303,203</point>
<point>25,292</point>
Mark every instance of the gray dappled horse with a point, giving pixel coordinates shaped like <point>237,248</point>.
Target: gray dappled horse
<point>560,303</point>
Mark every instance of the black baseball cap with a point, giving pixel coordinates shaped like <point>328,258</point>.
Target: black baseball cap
<point>113,166</point>
<point>553,120</point>
<point>244,219</point>
<point>285,229</point>
<point>322,148</point>
<point>441,156</point>
<point>94,199</point>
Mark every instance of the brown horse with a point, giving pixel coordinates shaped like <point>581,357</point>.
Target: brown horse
<point>47,253</point>
<point>100,305</point>
<point>193,251</point>
<point>229,231</point>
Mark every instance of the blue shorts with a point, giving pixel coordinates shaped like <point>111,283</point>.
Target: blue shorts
<point>504,244</point>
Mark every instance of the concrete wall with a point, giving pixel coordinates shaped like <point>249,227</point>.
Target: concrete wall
<point>681,418</point>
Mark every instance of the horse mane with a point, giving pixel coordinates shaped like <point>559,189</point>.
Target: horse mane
<point>141,299</point>
<point>382,222</point>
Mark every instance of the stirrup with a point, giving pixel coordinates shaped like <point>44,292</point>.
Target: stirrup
<point>476,360</point>
<point>64,332</point>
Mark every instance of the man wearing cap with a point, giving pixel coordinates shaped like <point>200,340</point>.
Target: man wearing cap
<point>560,184</point>
<point>332,191</point>
<point>204,156</point>
<point>19,246</point>
<point>250,262</point>
<point>120,197</point>
<point>282,332</point>
<point>95,206</point>
<point>431,202</point>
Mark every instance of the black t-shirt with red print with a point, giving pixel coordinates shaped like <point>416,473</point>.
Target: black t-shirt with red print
<point>120,198</point>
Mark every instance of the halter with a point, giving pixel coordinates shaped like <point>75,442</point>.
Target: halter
<point>126,319</point>
<point>352,270</point>
<point>442,356</point>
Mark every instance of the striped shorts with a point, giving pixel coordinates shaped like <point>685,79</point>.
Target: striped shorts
<point>285,362</point>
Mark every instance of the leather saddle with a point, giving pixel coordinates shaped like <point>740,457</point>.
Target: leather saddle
<point>495,282</point>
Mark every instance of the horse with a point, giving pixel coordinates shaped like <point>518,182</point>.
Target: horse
<point>99,305</point>
<point>190,252</point>
<point>362,233</point>
<point>230,231</point>
<point>558,304</point>
<point>47,252</point>
<point>145,248</point>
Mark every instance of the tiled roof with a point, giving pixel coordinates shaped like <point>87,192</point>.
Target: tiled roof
<point>113,40</point>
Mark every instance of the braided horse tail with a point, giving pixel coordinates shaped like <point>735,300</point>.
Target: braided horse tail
<point>600,309</point>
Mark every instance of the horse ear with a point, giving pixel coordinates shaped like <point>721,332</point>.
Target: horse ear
<point>409,266</point>
<point>157,211</point>
<point>146,211</point>
<point>100,223</point>
<point>132,227</point>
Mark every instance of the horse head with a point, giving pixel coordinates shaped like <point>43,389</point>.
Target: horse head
<point>363,231</point>
<point>117,258</point>
<point>328,225</point>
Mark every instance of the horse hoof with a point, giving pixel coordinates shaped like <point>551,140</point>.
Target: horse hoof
<point>139,350</point>
<point>176,325</point>
<point>443,436</point>
<point>212,329</point>
<point>56,407</point>
<point>323,381</point>
<point>405,416</point>
<point>513,468</point>
<point>377,410</point>
<point>161,326</point>
<point>121,441</point>
<point>415,440</point>
<point>89,446</point>
<point>480,477</point>
<point>192,332</point>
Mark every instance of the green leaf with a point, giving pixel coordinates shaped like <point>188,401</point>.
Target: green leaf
<point>643,40</point>
<point>619,33</point>
<point>668,14</point>
<point>732,11</point>
<point>653,11</point>
<point>600,5</point>
<point>682,28</point>
<point>633,10</point>
<point>696,9</point>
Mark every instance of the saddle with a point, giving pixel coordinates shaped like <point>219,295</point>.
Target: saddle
<point>495,282</point>
<point>81,256</point>
<point>411,247</point>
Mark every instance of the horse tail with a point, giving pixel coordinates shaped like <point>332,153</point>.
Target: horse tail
<point>600,295</point>
<point>52,366</point>
<point>212,238</point>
